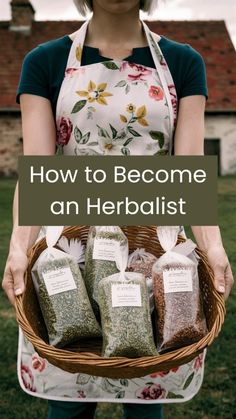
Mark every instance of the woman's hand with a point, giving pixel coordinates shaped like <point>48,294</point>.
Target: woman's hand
<point>209,240</point>
<point>13,278</point>
<point>22,238</point>
<point>223,276</point>
<point>39,133</point>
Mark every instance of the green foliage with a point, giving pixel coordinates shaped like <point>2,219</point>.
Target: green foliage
<point>110,65</point>
<point>78,106</point>
<point>215,399</point>
<point>159,136</point>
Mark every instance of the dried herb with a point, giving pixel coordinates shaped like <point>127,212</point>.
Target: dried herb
<point>125,316</point>
<point>141,261</point>
<point>68,315</point>
<point>96,265</point>
<point>180,319</point>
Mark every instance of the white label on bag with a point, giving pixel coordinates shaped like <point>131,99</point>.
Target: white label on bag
<point>105,249</point>
<point>177,280</point>
<point>59,280</point>
<point>124,295</point>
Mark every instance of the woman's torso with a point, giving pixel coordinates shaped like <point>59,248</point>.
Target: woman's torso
<point>44,67</point>
<point>52,382</point>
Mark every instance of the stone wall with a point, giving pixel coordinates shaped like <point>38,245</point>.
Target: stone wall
<point>223,127</point>
<point>10,143</point>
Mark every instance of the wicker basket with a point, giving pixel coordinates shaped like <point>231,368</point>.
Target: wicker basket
<point>88,359</point>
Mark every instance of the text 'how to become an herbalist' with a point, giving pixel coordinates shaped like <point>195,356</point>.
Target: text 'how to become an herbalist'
<point>158,205</point>
<point>133,190</point>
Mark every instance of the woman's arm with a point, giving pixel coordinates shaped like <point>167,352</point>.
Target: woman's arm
<point>189,140</point>
<point>209,239</point>
<point>39,138</point>
<point>189,133</point>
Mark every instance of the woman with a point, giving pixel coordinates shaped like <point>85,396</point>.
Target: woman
<point>99,91</point>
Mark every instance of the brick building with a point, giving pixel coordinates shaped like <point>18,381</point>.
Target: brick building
<point>210,38</point>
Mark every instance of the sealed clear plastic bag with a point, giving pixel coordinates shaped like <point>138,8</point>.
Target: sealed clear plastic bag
<point>62,295</point>
<point>142,262</point>
<point>100,257</point>
<point>180,316</point>
<point>125,312</point>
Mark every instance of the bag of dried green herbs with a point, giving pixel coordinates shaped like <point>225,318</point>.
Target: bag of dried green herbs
<point>100,257</point>
<point>142,261</point>
<point>62,295</point>
<point>180,316</point>
<point>125,312</point>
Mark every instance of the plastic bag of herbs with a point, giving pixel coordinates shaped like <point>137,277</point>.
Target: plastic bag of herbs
<point>180,317</point>
<point>125,312</point>
<point>100,257</point>
<point>142,261</point>
<point>62,295</point>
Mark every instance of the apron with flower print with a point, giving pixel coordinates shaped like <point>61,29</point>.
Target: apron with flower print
<point>114,107</point>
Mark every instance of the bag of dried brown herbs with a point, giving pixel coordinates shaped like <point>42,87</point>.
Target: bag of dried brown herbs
<point>125,312</point>
<point>141,261</point>
<point>62,295</point>
<point>100,257</point>
<point>180,316</point>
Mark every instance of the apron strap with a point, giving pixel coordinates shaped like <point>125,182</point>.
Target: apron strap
<point>74,62</point>
<point>163,70</point>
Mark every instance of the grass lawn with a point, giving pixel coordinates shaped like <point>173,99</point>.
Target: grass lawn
<point>216,399</point>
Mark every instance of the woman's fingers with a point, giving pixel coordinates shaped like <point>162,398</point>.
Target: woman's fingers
<point>229,280</point>
<point>219,276</point>
<point>8,285</point>
<point>13,279</point>
<point>223,277</point>
<point>18,275</point>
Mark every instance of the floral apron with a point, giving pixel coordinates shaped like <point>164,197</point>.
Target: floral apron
<point>119,108</point>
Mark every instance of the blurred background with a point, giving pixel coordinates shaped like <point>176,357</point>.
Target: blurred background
<point>167,10</point>
<point>210,27</point>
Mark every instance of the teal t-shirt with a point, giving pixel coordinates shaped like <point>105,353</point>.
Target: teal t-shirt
<point>43,67</point>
